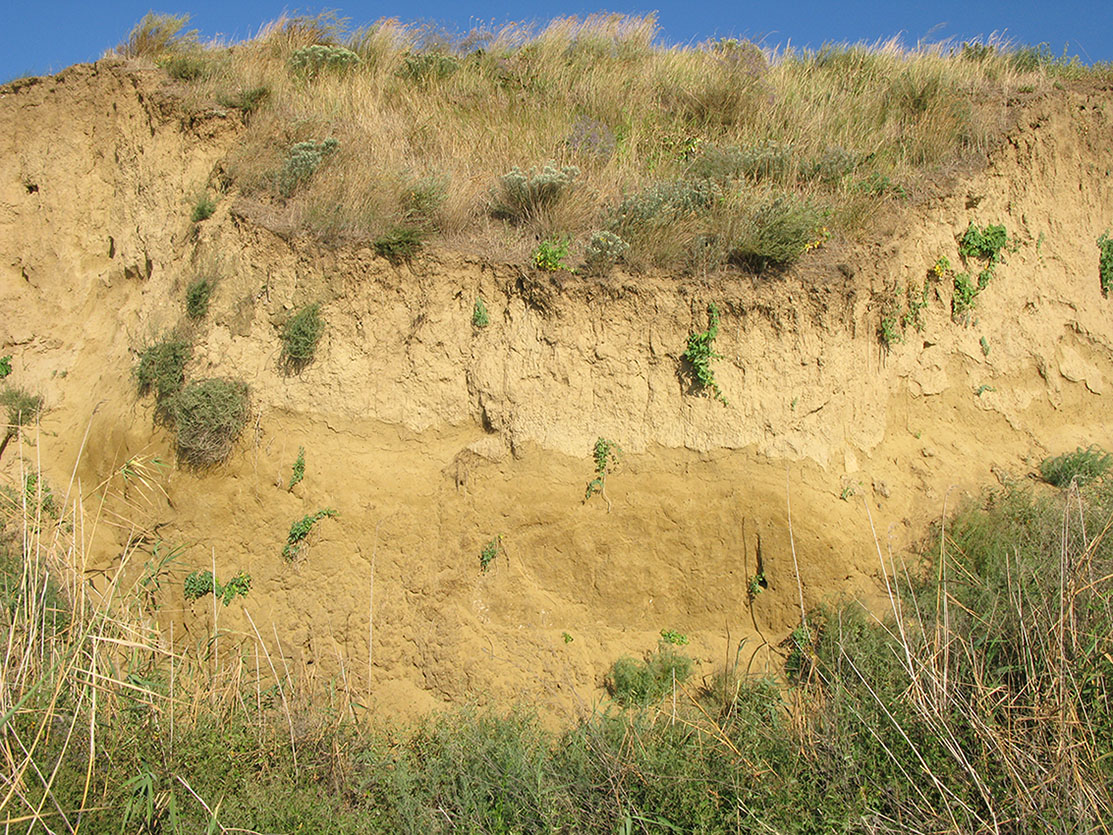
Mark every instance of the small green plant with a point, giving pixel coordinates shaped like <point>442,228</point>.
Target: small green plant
<point>606,457</point>
<point>984,243</point>
<point>671,636</point>
<point>801,645</point>
<point>399,244</point>
<point>941,268</point>
<point>209,415</point>
<point>200,583</point>
<point>489,552</point>
<point>895,322</point>
<point>700,352</point>
<point>849,489</point>
<point>550,254</point>
<point>524,196</point>
<point>567,638</point>
<point>299,469</point>
<point>161,368</point>
<point>756,586</point>
<point>5,366</point>
<point>203,209</point>
<point>890,332</point>
<point>1105,262</point>
<point>39,495</point>
<point>965,294</point>
<point>1081,466</point>
<point>915,302</point>
<point>300,335</point>
<point>479,317</point>
<point>302,162</point>
<point>985,346</point>
<point>634,683</point>
<point>295,540</point>
<point>982,389</point>
<point>198,294</point>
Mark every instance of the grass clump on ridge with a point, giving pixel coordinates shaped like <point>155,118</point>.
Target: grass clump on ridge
<point>512,121</point>
<point>300,335</point>
<point>208,417</point>
<point>198,295</point>
<point>161,368</point>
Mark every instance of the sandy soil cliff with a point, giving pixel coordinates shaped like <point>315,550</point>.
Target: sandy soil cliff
<point>431,437</point>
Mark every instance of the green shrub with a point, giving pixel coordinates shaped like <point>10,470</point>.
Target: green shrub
<point>1105,262</point>
<point>299,531</point>
<point>161,368</point>
<point>198,294</point>
<point>208,416</point>
<point>308,61</point>
<point>1080,466</point>
<point>22,407</point>
<point>606,455</point>
<point>302,162</point>
<point>424,67</point>
<point>399,244</point>
<point>5,366</point>
<point>479,316</point>
<point>550,254</point>
<point>300,336</point>
<point>700,352</point>
<point>203,209</point>
<point>523,196</point>
<point>776,233</point>
<point>604,249</point>
<point>634,683</point>
<point>984,243</point>
<point>662,204</point>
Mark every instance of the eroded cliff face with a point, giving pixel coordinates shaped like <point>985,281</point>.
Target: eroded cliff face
<point>431,437</point>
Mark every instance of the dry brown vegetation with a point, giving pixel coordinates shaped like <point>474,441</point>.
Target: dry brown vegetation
<point>698,157</point>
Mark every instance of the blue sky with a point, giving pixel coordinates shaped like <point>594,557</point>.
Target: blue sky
<point>46,36</point>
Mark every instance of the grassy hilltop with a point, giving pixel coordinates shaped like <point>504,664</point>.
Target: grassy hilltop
<point>979,700</point>
<point>589,136</point>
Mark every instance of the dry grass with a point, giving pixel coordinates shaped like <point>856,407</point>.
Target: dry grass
<point>848,128</point>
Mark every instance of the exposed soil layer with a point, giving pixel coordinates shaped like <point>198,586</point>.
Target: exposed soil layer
<point>432,437</point>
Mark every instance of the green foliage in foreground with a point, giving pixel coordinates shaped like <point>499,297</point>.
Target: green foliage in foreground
<point>1081,466</point>
<point>990,701</point>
